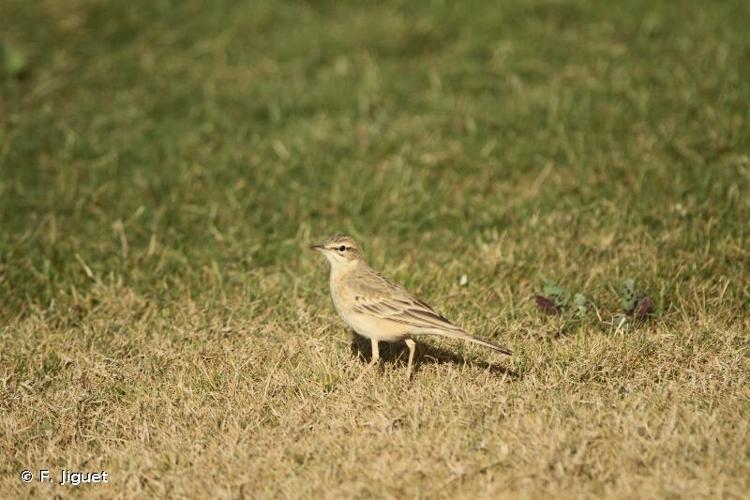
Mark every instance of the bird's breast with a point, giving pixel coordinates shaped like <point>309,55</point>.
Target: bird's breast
<point>366,324</point>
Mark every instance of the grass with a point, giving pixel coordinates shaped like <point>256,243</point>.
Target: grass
<point>163,166</point>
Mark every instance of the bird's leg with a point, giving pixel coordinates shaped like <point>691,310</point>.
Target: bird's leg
<point>375,352</point>
<point>412,347</point>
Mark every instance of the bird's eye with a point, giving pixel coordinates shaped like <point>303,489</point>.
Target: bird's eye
<point>342,248</point>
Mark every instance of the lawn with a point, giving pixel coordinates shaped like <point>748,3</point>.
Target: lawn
<point>164,166</point>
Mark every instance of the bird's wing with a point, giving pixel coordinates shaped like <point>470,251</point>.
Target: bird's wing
<point>383,298</point>
<point>378,296</point>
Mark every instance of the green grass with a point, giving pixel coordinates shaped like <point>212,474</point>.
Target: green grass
<point>164,165</point>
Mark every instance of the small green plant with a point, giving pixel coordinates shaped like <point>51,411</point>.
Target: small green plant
<point>628,295</point>
<point>555,300</point>
<point>581,304</point>
<point>634,301</point>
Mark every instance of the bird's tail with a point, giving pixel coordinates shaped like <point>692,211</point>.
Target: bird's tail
<point>464,335</point>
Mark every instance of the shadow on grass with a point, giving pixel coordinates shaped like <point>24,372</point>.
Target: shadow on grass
<point>425,354</point>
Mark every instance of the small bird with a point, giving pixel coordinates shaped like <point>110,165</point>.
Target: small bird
<point>379,309</point>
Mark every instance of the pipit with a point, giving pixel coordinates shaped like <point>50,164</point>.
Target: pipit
<point>379,309</point>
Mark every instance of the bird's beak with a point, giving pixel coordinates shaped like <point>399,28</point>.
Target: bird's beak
<point>319,248</point>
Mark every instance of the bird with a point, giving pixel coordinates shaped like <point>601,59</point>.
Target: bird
<point>379,309</point>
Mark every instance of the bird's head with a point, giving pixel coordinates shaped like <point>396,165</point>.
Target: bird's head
<point>340,250</point>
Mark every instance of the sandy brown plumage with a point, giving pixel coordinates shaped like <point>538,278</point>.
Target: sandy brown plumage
<point>379,309</point>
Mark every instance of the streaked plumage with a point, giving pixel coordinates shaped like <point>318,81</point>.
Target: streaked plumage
<point>379,309</point>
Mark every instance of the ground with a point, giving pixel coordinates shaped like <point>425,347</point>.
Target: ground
<point>164,166</point>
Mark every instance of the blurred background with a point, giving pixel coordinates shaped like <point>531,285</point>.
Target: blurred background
<point>158,141</point>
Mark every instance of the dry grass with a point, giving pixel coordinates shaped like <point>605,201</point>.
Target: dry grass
<point>205,401</point>
<point>165,165</point>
